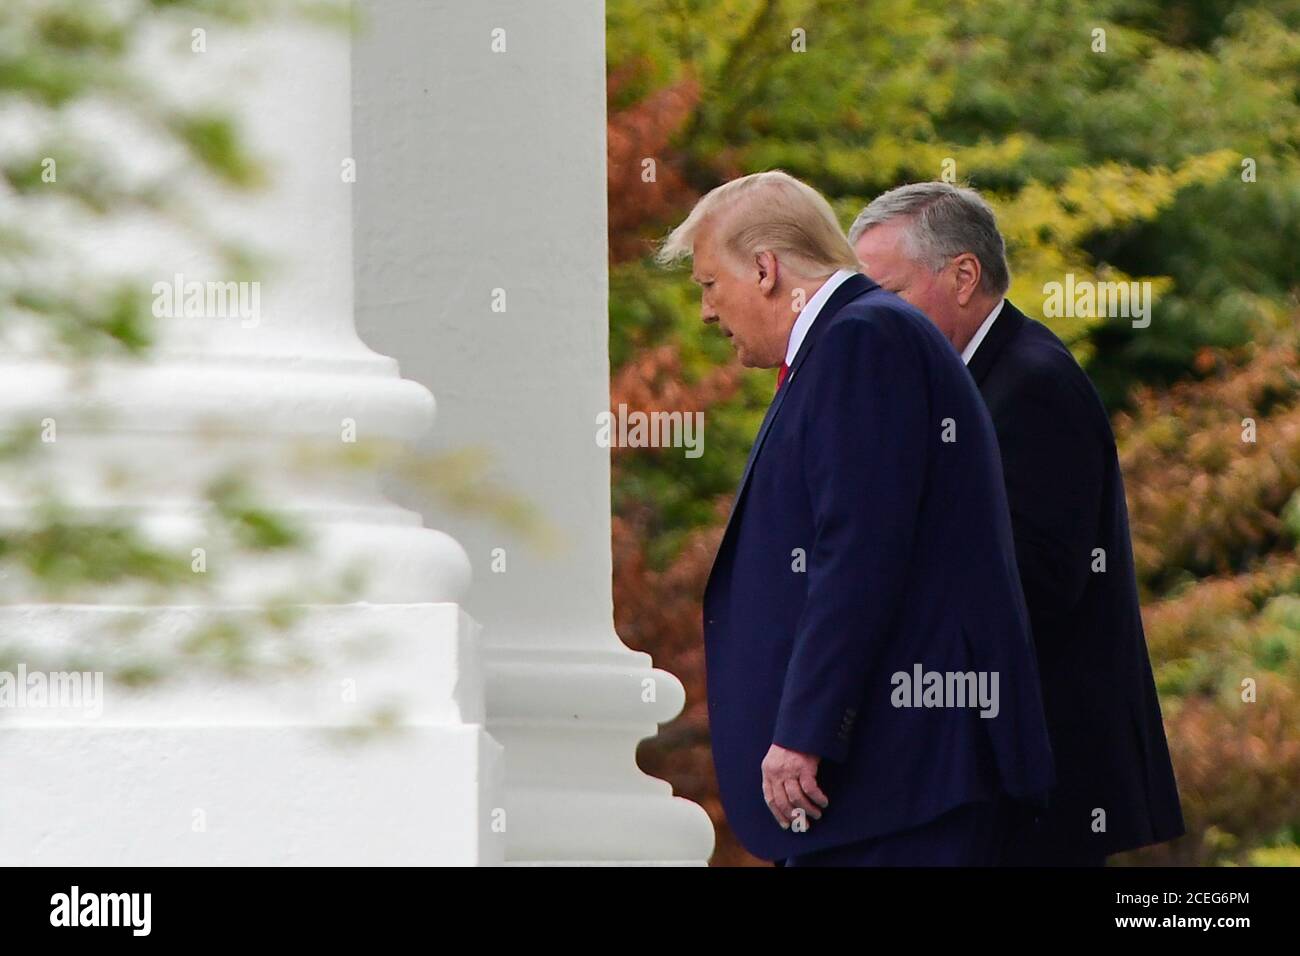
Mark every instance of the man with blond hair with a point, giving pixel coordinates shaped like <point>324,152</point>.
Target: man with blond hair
<point>873,698</point>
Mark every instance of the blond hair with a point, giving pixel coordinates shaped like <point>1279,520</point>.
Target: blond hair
<point>768,212</point>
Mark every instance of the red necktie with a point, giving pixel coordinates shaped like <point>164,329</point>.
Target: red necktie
<point>780,376</point>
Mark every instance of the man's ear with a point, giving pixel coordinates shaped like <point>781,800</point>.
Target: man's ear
<point>967,272</point>
<point>768,271</point>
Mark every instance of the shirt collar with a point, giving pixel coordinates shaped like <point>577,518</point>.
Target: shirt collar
<point>969,351</point>
<point>809,312</point>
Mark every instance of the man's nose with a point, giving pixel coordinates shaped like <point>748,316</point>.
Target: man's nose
<point>708,314</point>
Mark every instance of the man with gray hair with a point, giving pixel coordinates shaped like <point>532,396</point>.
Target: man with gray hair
<point>938,246</point>
<point>864,546</point>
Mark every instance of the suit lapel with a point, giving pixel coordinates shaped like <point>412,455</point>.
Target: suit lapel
<point>849,290</point>
<point>1004,328</point>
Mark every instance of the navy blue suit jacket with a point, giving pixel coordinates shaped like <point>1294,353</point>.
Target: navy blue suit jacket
<point>877,462</point>
<point>1067,514</point>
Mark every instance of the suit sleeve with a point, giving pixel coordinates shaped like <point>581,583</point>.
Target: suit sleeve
<point>864,456</point>
<point>1053,460</point>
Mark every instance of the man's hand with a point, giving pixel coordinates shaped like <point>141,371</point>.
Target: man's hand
<point>790,785</point>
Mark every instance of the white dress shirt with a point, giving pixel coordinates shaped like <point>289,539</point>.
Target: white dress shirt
<point>969,351</point>
<point>809,312</point>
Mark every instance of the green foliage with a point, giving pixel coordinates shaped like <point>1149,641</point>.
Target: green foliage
<point>58,54</point>
<point>254,527</point>
<point>1095,161</point>
<point>57,58</point>
<point>1173,157</point>
<point>92,321</point>
<point>67,554</point>
<point>214,141</point>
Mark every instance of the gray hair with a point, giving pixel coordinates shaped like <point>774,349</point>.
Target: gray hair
<point>943,221</point>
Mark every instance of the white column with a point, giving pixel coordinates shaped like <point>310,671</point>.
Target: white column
<point>481,170</point>
<point>202,770</point>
